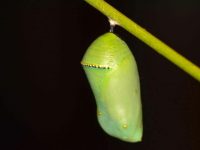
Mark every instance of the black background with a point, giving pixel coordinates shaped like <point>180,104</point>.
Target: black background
<point>46,102</point>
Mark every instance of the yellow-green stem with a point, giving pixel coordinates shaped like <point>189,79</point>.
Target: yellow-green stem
<point>146,37</point>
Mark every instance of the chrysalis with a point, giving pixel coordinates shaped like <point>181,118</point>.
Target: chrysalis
<point>112,73</point>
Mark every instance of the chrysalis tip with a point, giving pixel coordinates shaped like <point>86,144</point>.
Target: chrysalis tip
<point>113,23</point>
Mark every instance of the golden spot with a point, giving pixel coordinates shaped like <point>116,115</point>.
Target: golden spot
<point>95,66</point>
<point>99,113</point>
<point>125,126</point>
<point>136,91</point>
<point>125,138</point>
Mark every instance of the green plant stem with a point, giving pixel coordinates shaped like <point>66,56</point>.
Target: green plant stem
<point>146,37</point>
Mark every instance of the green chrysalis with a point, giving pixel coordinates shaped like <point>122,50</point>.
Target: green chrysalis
<point>112,73</point>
